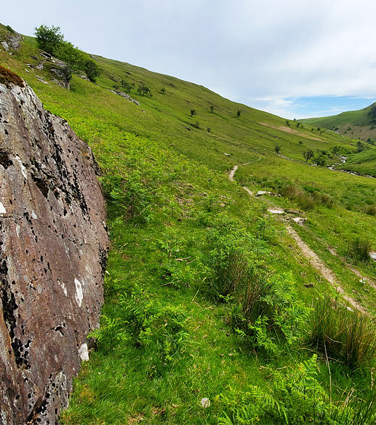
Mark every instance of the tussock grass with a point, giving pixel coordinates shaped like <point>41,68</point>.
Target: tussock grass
<point>339,334</point>
<point>358,250</point>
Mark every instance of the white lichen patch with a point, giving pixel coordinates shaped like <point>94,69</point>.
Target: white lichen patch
<point>79,293</point>
<point>63,287</point>
<point>83,352</point>
<point>33,215</point>
<point>23,168</point>
<point>2,209</point>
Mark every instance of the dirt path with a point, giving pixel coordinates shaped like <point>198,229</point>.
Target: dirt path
<point>320,266</point>
<point>315,260</point>
<point>232,173</point>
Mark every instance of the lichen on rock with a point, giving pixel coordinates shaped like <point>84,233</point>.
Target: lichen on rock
<point>52,235</point>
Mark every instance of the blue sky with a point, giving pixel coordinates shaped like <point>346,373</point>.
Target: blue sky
<point>296,58</point>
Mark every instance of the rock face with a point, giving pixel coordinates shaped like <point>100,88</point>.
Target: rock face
<point>53,250</point>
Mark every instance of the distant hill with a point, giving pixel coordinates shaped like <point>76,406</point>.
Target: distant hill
<point>359,124</point>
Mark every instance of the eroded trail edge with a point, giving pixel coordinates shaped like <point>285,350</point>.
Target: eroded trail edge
<point>313,258</point>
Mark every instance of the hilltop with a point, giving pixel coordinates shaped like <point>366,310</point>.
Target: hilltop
<point>227,300</point>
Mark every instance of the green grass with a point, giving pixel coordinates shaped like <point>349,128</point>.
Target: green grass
<point>175,219</point>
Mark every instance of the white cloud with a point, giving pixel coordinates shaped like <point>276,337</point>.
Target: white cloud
<point>245,49</point>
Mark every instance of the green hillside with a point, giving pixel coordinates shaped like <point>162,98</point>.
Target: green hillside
<point>216,310</point>
<point>359,124</point>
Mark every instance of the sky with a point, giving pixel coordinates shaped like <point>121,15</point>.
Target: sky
<point>293,58</point>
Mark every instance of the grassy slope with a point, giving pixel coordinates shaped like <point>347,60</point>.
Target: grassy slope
<point>356,124</point>
<point>167,192</point>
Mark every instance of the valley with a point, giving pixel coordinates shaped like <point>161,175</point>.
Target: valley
<point>207,294</point>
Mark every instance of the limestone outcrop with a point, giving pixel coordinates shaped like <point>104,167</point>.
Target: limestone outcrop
<point>53,251</point>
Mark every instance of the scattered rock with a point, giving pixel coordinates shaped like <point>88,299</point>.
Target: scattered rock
<point>5,45</point>
<point>291,211</point>
<point>373,255</point>
<point>126,96</point>
<point>265,192</point>
<point>52,256</point>
<point>41,79</point>
<point>226,154</point>
<point>276,211</point>
<point>309,285</point>
<point>299,220</point>
<point>14,40</point>
<point>205,403</point>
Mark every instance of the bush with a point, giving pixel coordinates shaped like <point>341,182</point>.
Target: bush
<point>10,29</point>
<point>128,198</point>
<point>342,335</point>
<point>52,41</point>
<point>269,312</point>
<point>92,70</point>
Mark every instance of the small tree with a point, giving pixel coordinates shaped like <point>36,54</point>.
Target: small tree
<point>162,91</point>
<point>308,154</point>
<point>193,112</point>
<point>92,70</point>
<point>238,113</point>
<point>126,86</point>
<point>211,108</point>
<point>277,149</point>
<point>49,39</point>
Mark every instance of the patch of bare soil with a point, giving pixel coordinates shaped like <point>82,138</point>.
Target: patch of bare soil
<point>291,131</point>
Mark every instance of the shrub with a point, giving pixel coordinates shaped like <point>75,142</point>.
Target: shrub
<point>92,70</point>
<point>129,197</point>
<point>143,90</point>
<point>370,209</point>
<point>343,335</point>
<point>308,154</point>
<point>268,311</point>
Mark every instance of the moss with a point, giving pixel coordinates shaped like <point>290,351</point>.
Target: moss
<point>8,77</point>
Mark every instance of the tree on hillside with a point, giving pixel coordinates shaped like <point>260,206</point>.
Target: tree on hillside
<point>308,154</point>
<point>49,39</point>
<point>193,112</point>
<point>277,149</point>
<point>52,41</point>
<point>211,108</point>
<point>238,113</point>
